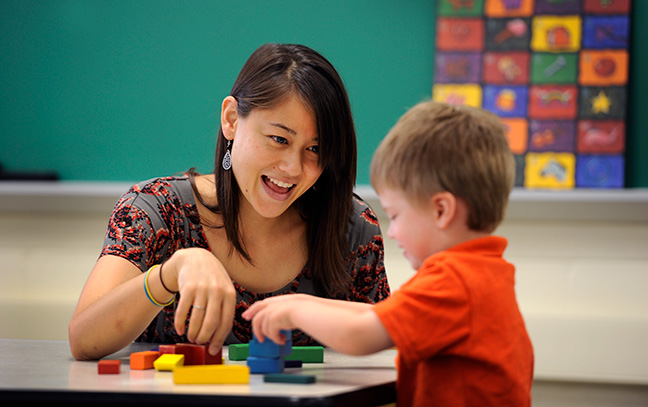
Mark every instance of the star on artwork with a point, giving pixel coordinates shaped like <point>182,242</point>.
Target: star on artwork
<point>601,103</point>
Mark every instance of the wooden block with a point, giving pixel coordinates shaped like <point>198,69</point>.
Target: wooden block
<point>109,366</point>
<point>164,349</point>
<point>197,354</point>
<point>212,374</point>
<point>239,351</point>
<point>307,354</point>
<point>259,364</point>
<point>168,362</point>
<point>293,363</point>
<point>269,349</point>
<point>289,378</point>
<point>143,360</point>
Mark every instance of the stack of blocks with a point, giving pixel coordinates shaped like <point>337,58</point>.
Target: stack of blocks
<point>267,356</point>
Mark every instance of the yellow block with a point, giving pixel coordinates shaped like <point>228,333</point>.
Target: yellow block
<point>212,374</point>
<point>168,361</point>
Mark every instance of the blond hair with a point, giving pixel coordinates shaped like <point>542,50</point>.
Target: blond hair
<point>436,147</point>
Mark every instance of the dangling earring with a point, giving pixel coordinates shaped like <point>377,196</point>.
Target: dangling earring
<point>227,159</point>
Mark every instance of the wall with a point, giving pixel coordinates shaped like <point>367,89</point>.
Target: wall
<point>582,271</point>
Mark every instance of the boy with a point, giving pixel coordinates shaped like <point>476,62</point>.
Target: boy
<point>443,175</point>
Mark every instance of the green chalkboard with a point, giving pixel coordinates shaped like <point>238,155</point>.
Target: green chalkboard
<point>124,90</point>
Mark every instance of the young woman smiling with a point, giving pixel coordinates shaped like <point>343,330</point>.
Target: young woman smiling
<point>185,256</point>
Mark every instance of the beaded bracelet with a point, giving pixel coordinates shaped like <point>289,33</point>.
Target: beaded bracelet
<point>147,290</point>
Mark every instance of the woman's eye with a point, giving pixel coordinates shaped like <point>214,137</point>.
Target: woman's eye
<point>279,139</point>
<point>314,149</point>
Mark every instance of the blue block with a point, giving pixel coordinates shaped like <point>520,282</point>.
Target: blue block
<point>265,365</point>
<point>269,349</point>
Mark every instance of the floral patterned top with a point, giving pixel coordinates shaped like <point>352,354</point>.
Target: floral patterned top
<point>157,217</point>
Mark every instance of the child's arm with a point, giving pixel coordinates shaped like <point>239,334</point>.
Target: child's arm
<point>346,327</point>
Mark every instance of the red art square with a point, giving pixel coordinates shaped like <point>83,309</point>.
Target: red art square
<point>601,136</point>
<point>460,34</point>
<point>553,102</point>
<point>606,6</point>
<point>506,68</point>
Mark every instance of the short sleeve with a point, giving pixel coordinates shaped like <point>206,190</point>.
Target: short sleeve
<point>427,315</point>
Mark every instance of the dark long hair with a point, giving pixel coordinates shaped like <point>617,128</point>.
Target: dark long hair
<point>271,74</point>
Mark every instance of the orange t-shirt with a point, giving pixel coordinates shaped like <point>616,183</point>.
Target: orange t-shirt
<point>460,336</point>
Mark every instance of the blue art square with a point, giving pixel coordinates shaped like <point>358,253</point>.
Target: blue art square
<point>506,101</point>
<point>601,32</point>
<point>599,171</point>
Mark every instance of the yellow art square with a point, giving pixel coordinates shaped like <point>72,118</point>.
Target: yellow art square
<point>550,170</point>
<point>556,34</point>
<point>469,94</point>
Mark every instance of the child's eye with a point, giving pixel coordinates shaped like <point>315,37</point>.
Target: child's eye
<point>279,139</point>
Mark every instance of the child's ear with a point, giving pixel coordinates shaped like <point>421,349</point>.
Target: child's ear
<point>444,206</point>
<point>229,117</point>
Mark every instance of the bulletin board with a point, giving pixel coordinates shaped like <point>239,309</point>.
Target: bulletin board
<point>554,71</point>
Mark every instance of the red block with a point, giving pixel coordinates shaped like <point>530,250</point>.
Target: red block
<point>109,366</point>
<point>167,349</point>
<point>198,354</point>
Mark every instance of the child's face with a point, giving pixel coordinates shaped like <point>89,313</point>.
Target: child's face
<point>413,227</point>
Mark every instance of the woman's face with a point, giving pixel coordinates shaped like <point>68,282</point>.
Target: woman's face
<point>275,155</point>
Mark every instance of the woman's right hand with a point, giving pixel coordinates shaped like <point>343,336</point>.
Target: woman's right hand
<point>207,291</point>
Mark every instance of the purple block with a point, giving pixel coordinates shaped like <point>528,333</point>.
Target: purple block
<point>557,136</point>
<point>599,171</point>
<point>265,365</point>
<point>457,67</point>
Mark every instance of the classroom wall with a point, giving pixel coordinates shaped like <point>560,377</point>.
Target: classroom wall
<point>581,273</point>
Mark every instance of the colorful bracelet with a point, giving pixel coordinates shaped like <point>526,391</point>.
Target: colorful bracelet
<point>147,290</point>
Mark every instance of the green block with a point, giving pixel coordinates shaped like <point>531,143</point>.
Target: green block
<point>288,378</point>
<point>239,351</point>
<point>307,354</point>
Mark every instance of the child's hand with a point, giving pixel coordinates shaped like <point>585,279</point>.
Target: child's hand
<point>272,315</point>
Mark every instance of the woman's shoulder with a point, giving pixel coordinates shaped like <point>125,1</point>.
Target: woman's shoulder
<point>171,188</point>
<point>362,214</point>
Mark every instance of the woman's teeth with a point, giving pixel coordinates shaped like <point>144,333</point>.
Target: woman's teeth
<point>280,183</point>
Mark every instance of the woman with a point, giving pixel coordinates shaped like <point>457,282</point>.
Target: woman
<point>185,256</point>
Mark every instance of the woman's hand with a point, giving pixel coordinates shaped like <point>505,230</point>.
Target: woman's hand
<point>206,289</point>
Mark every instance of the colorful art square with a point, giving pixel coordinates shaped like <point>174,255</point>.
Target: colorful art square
<point>602,103</point>
<point>508,8</point>
<point>602,32</point>
<point>598,136</point>
<point>460,8</point>
<point>553,68</point>
<point>558,6</point>
<point>553,102</point>
<point>465,94</point>
<point>606,6</point>
<point>507,34</point>
<point>506,68</point>
<point>517,131</point>
<point>550,170</point>
<point>603,67</point>
<point>506,101</point>
<point>599,171</point>
<point>460,34</point>
<point>453,67</point>
<point>556,34</point>
<point>552,136</point>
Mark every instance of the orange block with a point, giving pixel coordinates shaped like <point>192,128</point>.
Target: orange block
<point>143,360</point>
<point>109,366</point>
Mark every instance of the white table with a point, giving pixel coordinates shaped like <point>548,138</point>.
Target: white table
<point>34,372</point>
